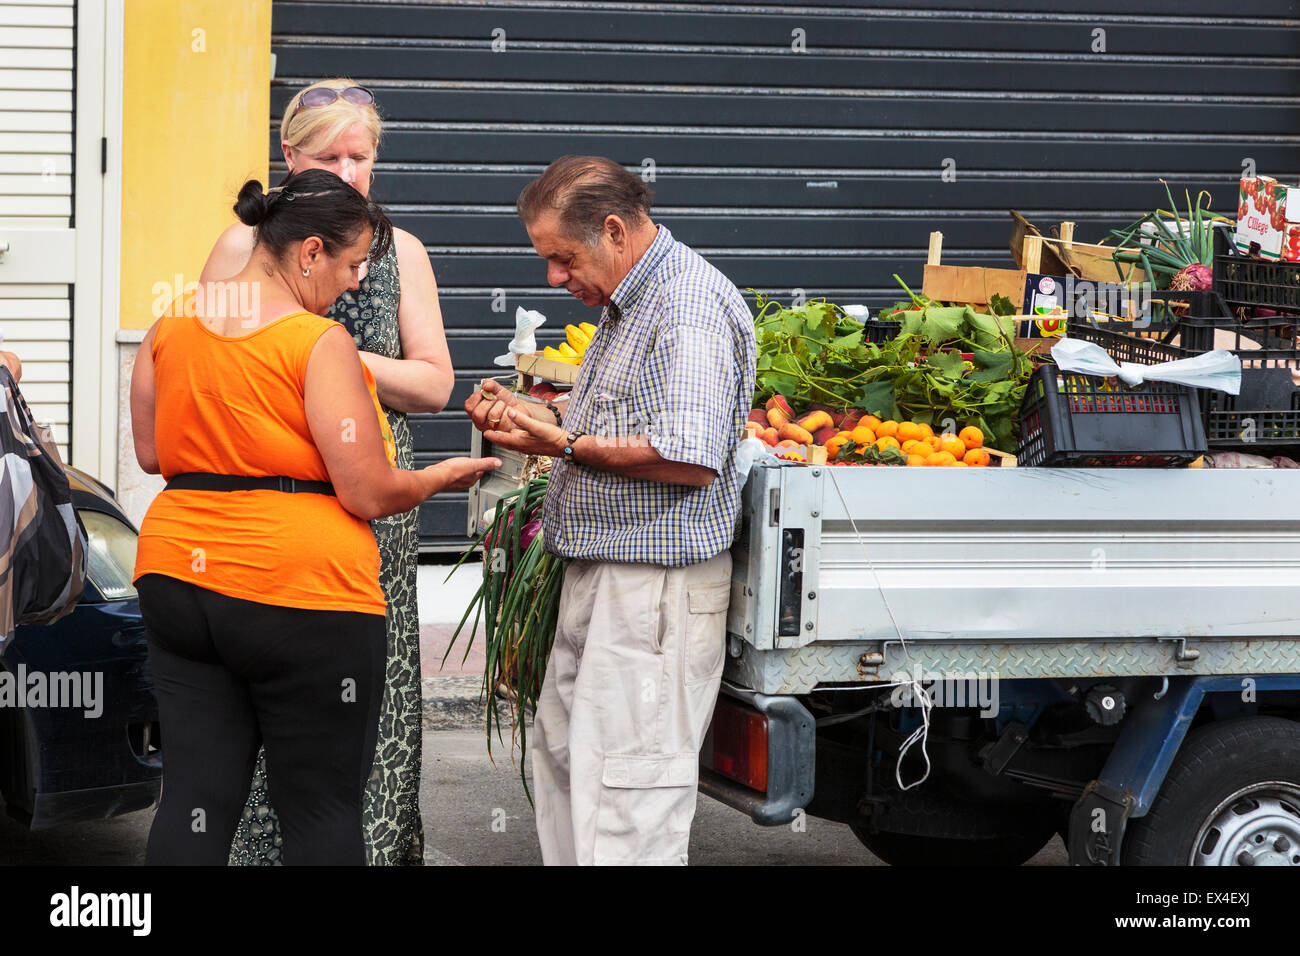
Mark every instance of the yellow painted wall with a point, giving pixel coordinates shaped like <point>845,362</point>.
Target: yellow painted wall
<point>195,113</point>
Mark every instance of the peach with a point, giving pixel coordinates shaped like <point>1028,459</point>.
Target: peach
<point>797,434</point>
<point>822,435</point>
<point>815,420</point>
<point>770,436</point>
<point>780,402</point>
<point>759,417</point>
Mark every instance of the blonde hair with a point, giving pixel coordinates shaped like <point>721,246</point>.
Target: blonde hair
<point>325,124</point>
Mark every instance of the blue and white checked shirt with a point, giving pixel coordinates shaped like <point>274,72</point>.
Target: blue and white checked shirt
<point>672,359</point>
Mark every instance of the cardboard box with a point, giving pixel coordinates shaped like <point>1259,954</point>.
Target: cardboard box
<point>1262,216</point>
<point>1291,242</point>
<point>971,285</point>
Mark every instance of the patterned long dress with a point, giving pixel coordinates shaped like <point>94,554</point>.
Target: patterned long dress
<point>391,809</point>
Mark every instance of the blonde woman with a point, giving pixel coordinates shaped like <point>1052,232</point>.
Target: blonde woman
<point>396,322</point>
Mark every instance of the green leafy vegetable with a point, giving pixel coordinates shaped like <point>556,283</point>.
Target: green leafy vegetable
<point>816,354</point>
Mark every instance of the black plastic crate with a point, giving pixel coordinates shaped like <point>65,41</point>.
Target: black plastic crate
<point>875,331</point>
<point>1266,413</point>
<point>1068,420</point>
<point>1246,282</point>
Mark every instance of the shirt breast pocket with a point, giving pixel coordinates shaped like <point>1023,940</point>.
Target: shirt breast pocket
<point>616,415</point>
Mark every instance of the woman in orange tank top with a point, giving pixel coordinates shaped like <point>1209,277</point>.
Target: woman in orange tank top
<point>257,571</point>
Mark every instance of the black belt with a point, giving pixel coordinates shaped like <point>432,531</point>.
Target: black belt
<point>201,481</point>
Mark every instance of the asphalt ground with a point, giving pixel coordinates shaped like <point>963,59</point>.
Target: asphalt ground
<point>475,813</point>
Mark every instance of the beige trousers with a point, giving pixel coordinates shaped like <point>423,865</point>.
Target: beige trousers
<point>627,699</point>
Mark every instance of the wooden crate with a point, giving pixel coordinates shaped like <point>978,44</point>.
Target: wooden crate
<point>535,366</point>
<point>976,285</point>
<point>1085,260</point>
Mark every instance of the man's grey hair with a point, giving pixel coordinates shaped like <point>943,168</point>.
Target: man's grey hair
<point>584,190</point>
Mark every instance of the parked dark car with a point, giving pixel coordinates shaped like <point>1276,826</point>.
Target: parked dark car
<point>59,764</point>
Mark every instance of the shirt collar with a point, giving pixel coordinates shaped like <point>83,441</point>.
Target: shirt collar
<point>638,278</point>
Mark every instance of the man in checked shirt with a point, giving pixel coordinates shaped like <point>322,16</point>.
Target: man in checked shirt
<point>642,502</point>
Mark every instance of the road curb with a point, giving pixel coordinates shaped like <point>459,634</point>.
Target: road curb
<point>454,703</point>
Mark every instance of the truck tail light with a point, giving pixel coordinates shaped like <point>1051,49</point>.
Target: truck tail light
<point>738,744</point>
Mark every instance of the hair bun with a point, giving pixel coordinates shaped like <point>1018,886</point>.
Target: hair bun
<point>250,206</point>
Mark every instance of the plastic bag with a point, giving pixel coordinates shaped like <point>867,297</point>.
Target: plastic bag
<point>1219,369</point>
<point>527,322</point>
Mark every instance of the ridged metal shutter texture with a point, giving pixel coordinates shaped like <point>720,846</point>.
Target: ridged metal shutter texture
<point>818,170</point>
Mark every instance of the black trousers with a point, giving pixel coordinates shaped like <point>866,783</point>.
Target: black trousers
<point>232,675</point>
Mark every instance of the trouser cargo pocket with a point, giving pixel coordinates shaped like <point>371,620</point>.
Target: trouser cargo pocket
<point>646,805</point>
<point>706,631</point>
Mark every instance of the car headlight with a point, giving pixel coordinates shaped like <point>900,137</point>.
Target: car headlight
<point>110,555</point>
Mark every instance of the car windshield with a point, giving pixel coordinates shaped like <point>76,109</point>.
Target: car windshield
<point>110,555</point>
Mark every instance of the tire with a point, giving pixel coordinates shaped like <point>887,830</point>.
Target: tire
<point>1231,798</point>
<point>901,849</point>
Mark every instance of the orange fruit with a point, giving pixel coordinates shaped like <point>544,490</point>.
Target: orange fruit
<point>833,447</point>
<point>887,429</point>
<point>862,449</point>
<point>871,421</point>
<point>976,458</point>
<point>953,445</point>
<point>908,431</point>
<point>926,430</point>
<point>971,437</point>
<point>863,435</point>
<point>959,464</point>
<point>911,443</point>
<point>933,442</point>
<point>889,441</point>
<point>939,459</point>
<point>914,461</point>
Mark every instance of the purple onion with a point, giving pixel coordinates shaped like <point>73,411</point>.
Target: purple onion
<point>528,532</point>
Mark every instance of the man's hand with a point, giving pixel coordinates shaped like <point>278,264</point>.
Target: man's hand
<point>487,406</point>
<point>529,436</point>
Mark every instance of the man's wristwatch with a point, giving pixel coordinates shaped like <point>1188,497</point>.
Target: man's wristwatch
<point>569,443</point>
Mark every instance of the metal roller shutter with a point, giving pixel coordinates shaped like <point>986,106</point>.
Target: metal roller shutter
<point>818,169</point>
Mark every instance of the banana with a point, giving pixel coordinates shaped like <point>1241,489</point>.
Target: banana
<point>569,351</point>
<point>578,340</point>
<point>589,329</point>
<point>558,356</point>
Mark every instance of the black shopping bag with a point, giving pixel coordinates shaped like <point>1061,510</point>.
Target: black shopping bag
<point>42,540</point>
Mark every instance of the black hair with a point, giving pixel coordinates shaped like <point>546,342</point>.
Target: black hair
<point>313,202</point>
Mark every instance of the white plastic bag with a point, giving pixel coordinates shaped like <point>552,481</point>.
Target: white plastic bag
<point>748,451</point>
<point>1219,369</point>
<point>527,323</point>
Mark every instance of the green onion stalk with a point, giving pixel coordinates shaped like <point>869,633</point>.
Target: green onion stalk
<point>518,603</point>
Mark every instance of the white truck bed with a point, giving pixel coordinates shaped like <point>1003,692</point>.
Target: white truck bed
<point>1024,572</point>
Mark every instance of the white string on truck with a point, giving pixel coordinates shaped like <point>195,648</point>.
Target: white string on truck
<point>918,692</point>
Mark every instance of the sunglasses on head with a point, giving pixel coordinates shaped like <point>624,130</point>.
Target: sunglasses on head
<point>324,96</point>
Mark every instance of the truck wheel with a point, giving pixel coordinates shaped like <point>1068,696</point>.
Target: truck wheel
<point>902,849</point>
<point>1232,798</point>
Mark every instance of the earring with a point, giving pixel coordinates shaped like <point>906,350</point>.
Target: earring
<point>372,177</point>
<point>306,272</point>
